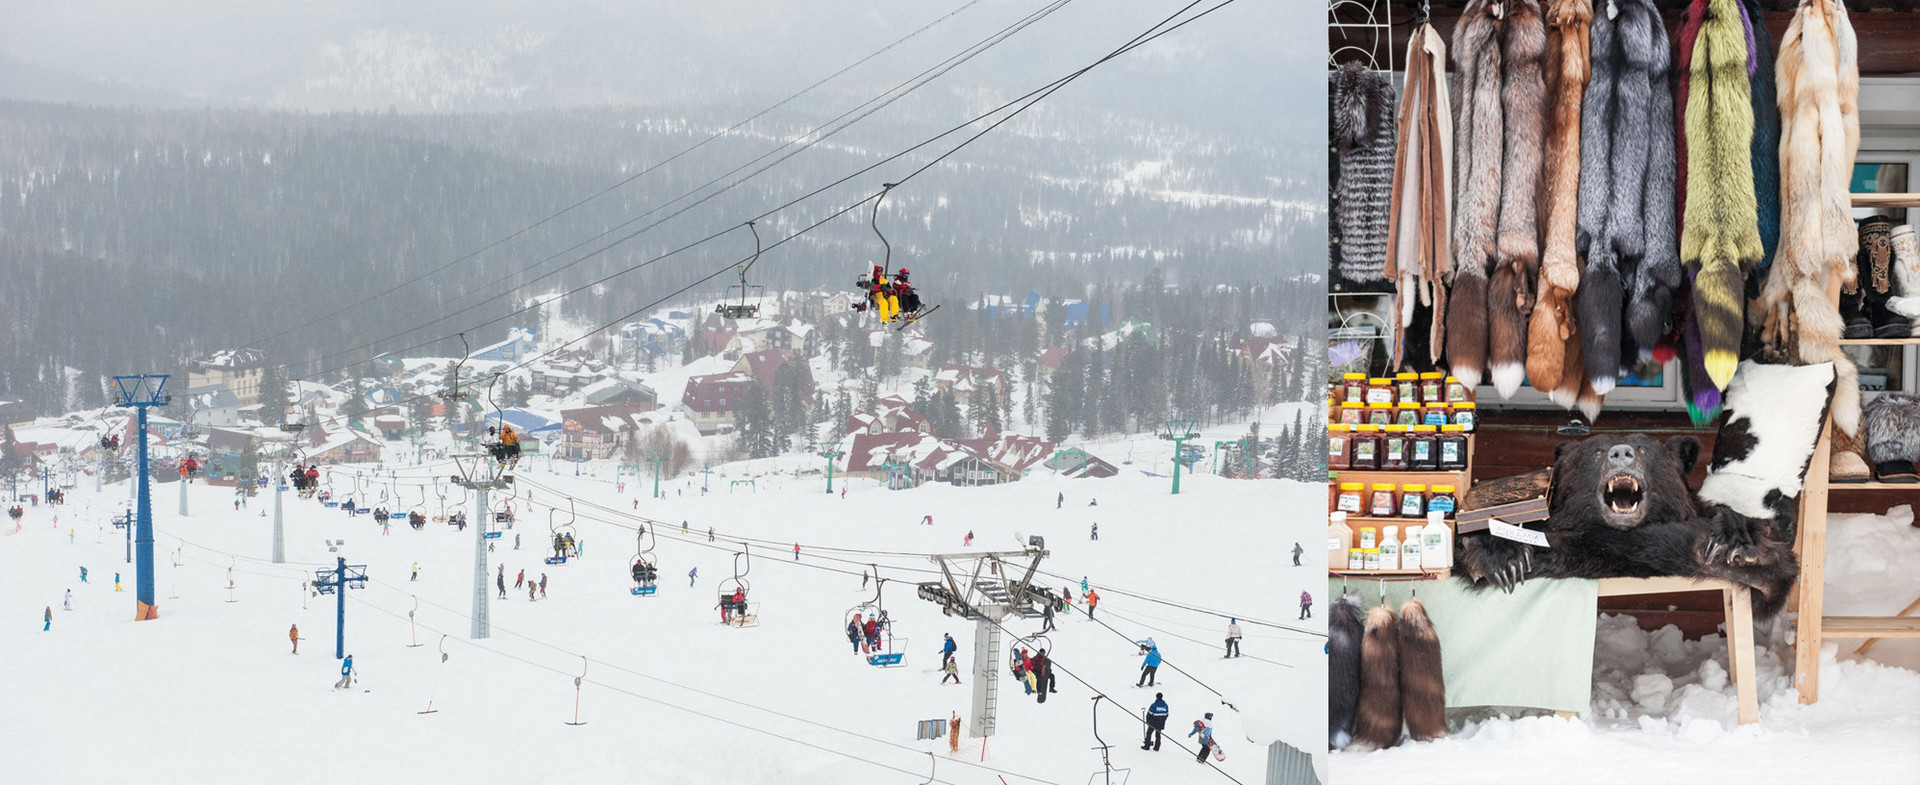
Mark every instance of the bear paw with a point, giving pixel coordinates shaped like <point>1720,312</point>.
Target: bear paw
<point>1732,540</point>
<point>1504,563</point>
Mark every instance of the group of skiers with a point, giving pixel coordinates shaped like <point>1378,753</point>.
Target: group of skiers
<point>110,443</point>
<point>893,299</point>
<point>536,590</point>
<point>733,607</point>
<point>564,546</point>
<point>864,632</point>
<point>506,447</point>
<point>304,481</point>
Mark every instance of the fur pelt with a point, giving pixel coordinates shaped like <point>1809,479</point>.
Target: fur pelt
<point>1510,290</point>
<point>1344,633</point>
<point>1773,419</point>
<point>1720,234</point>
<point>1376,726</point>
<point>1766,144</point>
<point>1363,135</point>
<point>1419,227</point>
<point>1892,423</point>
<point>1817,76</point>
<point>1554,364</point>
<point>1423,688</point>
<point>1657,276</point>
<point>1477,156</point>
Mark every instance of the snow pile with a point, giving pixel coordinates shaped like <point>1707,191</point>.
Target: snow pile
<point>1871,572</point>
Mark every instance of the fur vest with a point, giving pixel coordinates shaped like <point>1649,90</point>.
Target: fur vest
<point>1500,47</point>
<point>1817,74</point>
<point>1418,255</point>
<point>1720,231</point>
<point>1625,217</point>
<point>1362,129</point>
<point>1554,365</point>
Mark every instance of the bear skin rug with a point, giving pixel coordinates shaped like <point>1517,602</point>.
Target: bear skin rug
<point>1621,508</point>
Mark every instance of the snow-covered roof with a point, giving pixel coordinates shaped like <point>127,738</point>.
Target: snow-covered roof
<point>232,360</point>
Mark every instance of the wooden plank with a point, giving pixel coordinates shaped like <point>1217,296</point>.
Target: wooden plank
<point>1880,342</point>
<point>1875,485</point>
<point>1870,626</point>
<point>1886,200</point>
<point>1739,606</point>
<point>1611,587</point>
<point>1907,611</point>
<point>1812,551</point>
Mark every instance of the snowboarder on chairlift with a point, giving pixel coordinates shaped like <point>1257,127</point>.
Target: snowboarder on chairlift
<point>853,633</point>
<point>907,300</point>
<point>880,295</point>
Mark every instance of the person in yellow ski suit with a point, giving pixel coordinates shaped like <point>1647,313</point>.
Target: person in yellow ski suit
<point>880,295</point>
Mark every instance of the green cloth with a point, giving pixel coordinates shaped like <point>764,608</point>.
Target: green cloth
<point>1532,648</point>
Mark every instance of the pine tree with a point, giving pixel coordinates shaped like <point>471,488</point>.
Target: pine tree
<point>273,396</point>
<point>754,422</point>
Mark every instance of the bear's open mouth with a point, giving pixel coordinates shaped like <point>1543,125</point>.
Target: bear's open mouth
<point>1622,494</point>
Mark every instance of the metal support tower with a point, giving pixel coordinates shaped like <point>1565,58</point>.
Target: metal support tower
<point>1178,432</point>
<point>831,452</point>
<point>183,496</point>
<point>126,522</point>
<point>659,461</point>
<point>279,530</point>
<point>480,473</point>
<point>986,588</point>
<point>142,392</point>
<point>336,581</point>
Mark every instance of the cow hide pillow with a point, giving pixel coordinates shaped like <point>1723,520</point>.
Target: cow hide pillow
<point>1767,435</point>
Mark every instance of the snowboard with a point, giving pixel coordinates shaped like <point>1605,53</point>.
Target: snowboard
<point>907,320</point>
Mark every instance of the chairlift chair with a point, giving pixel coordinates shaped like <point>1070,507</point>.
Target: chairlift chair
<point>750,616</point>
<point>454,395</point>
<point>561,552</point>
<point>748,304</point>
<point>890,654</point>
<point>645,573</point>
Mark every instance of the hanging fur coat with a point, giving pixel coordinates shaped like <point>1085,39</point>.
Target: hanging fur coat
<point>1818,76</point>
<point>1554,364</point>
<point>1720,231</point>
<point>1625,216</point>
<point>1500,46</point>
<point>1362,128</point>
<point>1418,250</point>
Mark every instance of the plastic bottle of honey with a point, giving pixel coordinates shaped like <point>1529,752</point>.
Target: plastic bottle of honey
<point>1339,539</point>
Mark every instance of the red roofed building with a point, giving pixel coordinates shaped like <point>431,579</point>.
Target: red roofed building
<point>891,413</point>
<point>966,381</point>
<point>711,399</point>
<point>764,366</point>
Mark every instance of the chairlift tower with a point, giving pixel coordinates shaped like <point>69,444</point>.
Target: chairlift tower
<point>831,452</point>
<point>986,588</point>
<point>1178,432</point>
<point>480,473</point>
<point>336,581</point>
<point>142,392</point>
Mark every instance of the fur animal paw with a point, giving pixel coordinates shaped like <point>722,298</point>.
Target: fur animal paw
<point>1732,539</point>
<point>1504,563</point>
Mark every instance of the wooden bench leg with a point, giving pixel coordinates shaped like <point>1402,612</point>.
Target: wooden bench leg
<point>1738,604</point>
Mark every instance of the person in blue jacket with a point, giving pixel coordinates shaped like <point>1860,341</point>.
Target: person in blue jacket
<point>346,674</point>
<point>1156,722</point>
<point>946,650</point>
<point>1204,729</point>
<point>1149,667</point>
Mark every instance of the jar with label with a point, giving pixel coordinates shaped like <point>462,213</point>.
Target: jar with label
<point>1436,414</point>
<point>1408,412</point>
<point>1393,449</point>
<point>1466,416</point>
<point>1351,498</point>
<point>1339,538</point>
<point>1365,447</point>
<point>1353,388</point>
<point>1406,387</point>
<point>1422,452</point>
<point>1436,545</point>
<point>1370,561</point>
<point>1384,502</point>
<point>1356,559</point>
<point>1413,501</point>
<point>1453,448</point>
<point>1379,390</point>
<point>1441,502</point>
<point>1353,413</point>
<point>1380,414</point>
<point>1457,391</point>
<point>1410,549</point>
<point>1389,547</point>
<point>1338,437</point>
<point>1433,387</point>
<point>1369,537</point>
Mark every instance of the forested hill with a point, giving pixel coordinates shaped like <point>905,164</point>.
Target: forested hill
<point>131,239</point>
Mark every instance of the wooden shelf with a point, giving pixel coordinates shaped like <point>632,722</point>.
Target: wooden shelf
<point>1869,627</point>
<point>1874,485</point>
<point>1437,574</point>
<point>1880,342</point>
<point>1394,521</point>
<point>1886,200</point>
<point>1457,478</point>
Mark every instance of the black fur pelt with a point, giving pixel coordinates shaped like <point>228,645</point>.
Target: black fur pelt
<point>1621,508</point>
<point>1344,632</point>
<point>1376,726</point>
<point>1892,423</point>
<point>1423,689</point>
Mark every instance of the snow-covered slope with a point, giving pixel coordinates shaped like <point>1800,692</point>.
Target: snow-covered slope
<point>210,690</point>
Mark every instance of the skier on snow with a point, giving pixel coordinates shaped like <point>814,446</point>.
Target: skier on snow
<point>1156,722</point>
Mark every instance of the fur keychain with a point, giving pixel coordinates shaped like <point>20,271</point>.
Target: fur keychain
<point>1376,726</point>
<point>1344,634</point>
<point>1422,686</point>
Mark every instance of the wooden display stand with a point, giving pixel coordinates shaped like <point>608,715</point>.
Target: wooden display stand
<point>1810,545</point>
<point>1736,601</point>
<point>1460,479</point>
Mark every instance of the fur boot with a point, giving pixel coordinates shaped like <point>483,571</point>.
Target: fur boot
<point>1422,685</point>
<point>1523,102</point>
<point>1477,155</point>
<point>1848,461</point>
<point>1720,234</point>
<point>1891,424</point>
<point>1906,276</point>
<point>1553,338</point>
<point>1363,135</point>
<point>1344,634</point>
<point>1377,724</point>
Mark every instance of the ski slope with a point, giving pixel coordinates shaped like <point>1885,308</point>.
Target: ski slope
<point>211,691</point>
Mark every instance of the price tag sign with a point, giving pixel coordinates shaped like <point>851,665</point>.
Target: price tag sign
<point>1508,531</point>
